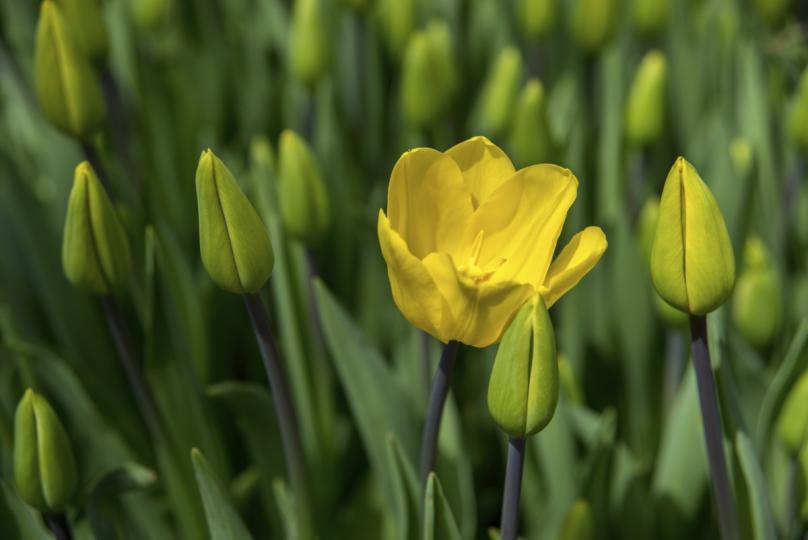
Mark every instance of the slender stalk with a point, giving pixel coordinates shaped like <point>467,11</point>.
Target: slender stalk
<point>287,419</point>
<point>59,526</point>
<point>440,389</point>
<point>711,421</point>
<point>509,527</point>
<point>118,122</point>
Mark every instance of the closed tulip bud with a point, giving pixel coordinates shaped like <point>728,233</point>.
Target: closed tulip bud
<point>579,523</point>
<point>645,112</point>
<point>302,195</point>
<point>798,113</point>
<point>309,43</point>
<point>772,11</point>
<point>44,466</point>
<point>536,17</point>
<point>95,249</point>
<point>757,304</point>
<point>530,139</point>
<point>395,19</point>
<point>792,426</point>
<point>592,22</point>
<point>66,87</point>
<point>742,155</point>
<point>233,241</point>
<point>692,264</point>
<point>86,18</point>
<point>499,92</point>
<point>523,389</point>
<point>650,17</point>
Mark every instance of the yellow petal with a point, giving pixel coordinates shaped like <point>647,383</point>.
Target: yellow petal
<point>428,203</point>
<point>577,258</point>
<point>521,222</point>
<point>484,166</point>
<point>414,290</point>
<point>478,314</point>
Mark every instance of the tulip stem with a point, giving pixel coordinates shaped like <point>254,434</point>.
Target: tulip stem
<point>711,422</point>
<point>509,526</point>
<point>59,526</point>
<point>437,397</point>
<point>287,419</point>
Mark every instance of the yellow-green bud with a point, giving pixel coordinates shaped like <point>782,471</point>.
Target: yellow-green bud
<point>757,303</point>
<point>499,92</point>
<point>772,11</point>
<point>308,41</point>
<point>66,87</point>
<point>650,17</point>
<point>692,264</point>
<point>742,155</point>
<point>302,195</point>
<point>645,112</point>
<point>536,17</point>
<point>395,19</point>
<point>798,113</point>
<point>591,22</point>
<point>523,389</point>
<point>86,18</point>
<point>579,523</point>
<point>792,426</point>
<point>233,241</point>
<point>150,15</point>
<point>530,139</point>
<point>95,249</point>
<point>44,466</point>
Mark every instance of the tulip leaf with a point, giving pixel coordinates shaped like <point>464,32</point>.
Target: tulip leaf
<point>17,520</point>
<point>286,506</point>
<point>406,489</point>
<point>439,522</point>
<point>760,514</point>
<point>106,514</point>
<point>224,522</point>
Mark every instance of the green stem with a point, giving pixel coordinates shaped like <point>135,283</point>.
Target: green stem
<point>509,527</point>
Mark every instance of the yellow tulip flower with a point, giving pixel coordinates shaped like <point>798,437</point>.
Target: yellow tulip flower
<point>468,239</point>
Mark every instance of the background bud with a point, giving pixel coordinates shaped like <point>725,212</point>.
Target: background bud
<point>792,426</point>
<point>645,112</point>
<point>692,264</point>
<point>798,113</point>
<point>523,389</point>
<point>530,139</point>
<point>95,249</point>
<point>772,11</point>
<point>66,87</point>
<point>650,17</point>
<point>86,18</point>
<point>44,466</point>
<point>150,15</point>
<point>591,22</point>
<point>308,40</point>
<point>535,17</point>
<point>579,523</point>
<point>302,195</point>
<point>499,92</point>
<point>757,303</point>
<point>233,241</point>
<point>742,155</point>
<point>395,19</point>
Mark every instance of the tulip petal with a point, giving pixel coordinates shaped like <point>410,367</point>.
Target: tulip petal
<point>577,258</point>
<point>484,166</point>
<point>521,222</point>
<point>428,203</point>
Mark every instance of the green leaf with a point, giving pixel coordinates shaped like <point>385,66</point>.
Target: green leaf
<point>286,505</point>
<point>17,520</point>
<point>405,489</point>
<point>224,522</point>
<point>106,514</point>
<point>439,522</point>
<point>756,490</point>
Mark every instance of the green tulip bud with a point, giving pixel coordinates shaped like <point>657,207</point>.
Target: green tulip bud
<point>592,22</point>
<point>798,113</point>
<point>772,11</point>
<point>523,389</point>
<point>95,249</point>
<point>645,113</point>
<point>309,43</point>
<point>395,19</point>
<point>66,87</point>
<point>792,426</point>
<point>233,241</point>
<point>499,92</point>
<point>742,155</point>
<point>86,18</point>
<point>579,523</point>
<point>530,139</point>
<point>44,466</point>
<point>302,195</point>
<point>692,264</point>
<point>650,17</point>
<point>428,80</point>
<point>757,305</point>
<point>536,17</point>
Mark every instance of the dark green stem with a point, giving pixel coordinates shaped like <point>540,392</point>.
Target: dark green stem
<point>509,527</point>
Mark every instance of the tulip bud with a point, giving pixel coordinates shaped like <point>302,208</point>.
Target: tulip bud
<point>742,155</point>
<point>308,41</point>
<point>591,22</point>
<point>302,195</point>
<point>535,17</point>
<point>798,113</point>
<point>66,87</point>
<point>792,425</point>
<point>645,113</point>
<point>150,15</point>
<point>692,264</point>
<point>499,93</point>
<point>233,241</point>
<point>86,18</point>
<point>772,11</point>
<point>44,466</point>
<point>523,389</point>
<point>95,249</point>
<point>650,17</point>
<point>530,139</point>
<point>757,305</point>
<point>579,523</point>
<point>396,19</point>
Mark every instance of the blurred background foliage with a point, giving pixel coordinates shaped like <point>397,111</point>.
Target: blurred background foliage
<point>613,89</point>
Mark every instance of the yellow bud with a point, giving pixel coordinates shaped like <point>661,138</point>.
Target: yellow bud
<point>95,249</point>
<point>499,92</point>
<point>645,113</point>
<point>395,19</point>
<point>530,139</point>
<point>44,466</point>
<point>233,241</point>
<point>592,22</point>
<point>309,41</point>
<point>523,389</point>
<point>536,17</point>
<point>757,303</point>
<point>692,264</point>
<point>650,17</point>
<point>302,195</point>
<point>86,19</point>
<point>792,426</point>
<point>798,112</point>
<point>579,523</point>
<point>66,87</point>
